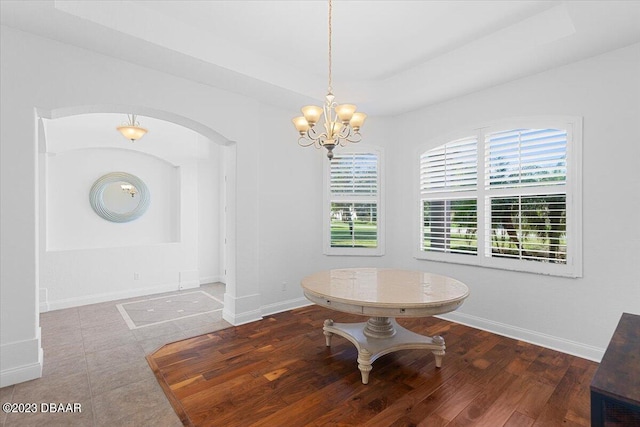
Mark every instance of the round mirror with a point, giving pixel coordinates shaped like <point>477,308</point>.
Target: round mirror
<point>119,197</point>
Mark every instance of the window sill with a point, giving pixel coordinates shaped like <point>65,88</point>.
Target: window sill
<point>353,252</point>
<point>532,267</point>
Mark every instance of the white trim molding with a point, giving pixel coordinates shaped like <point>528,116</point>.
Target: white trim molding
<point>554,343</point>
<point>287,305</point>
<point>108,296</point>
<point>211,279</point>
<point>13,369</point>
<point>239,310</point>
<point>189,279</point>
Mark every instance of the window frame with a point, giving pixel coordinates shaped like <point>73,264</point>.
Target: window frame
<point>573,191</point>
<point>327,200</point>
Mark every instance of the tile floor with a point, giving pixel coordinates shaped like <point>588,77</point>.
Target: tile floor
<point>91,357</point>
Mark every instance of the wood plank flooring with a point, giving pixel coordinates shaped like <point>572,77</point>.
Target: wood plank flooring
<point>278,372</point>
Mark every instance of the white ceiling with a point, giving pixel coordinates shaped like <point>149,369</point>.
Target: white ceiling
<point>388,56</point>
<point>168,141</point>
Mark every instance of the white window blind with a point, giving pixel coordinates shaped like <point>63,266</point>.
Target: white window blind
<point>529,228</point>
<point>451,167</point>
<point>447,174</point>
<point>526,157</point>
<point>354,174</point>
<point>502,198</point>
<point>528,224</point>
<point>353,200</point>
<point>450,226</point>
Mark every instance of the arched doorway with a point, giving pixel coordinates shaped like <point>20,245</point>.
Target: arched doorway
<point>147,261</point>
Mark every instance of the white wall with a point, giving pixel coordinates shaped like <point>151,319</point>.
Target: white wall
<point>574,315</point>
<point>41,74</point>
<point>73,225</point>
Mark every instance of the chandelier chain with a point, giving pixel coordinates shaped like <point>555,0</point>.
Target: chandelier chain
<point>330,82</point>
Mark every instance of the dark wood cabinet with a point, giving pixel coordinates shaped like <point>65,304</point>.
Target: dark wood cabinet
<point>615,388</point>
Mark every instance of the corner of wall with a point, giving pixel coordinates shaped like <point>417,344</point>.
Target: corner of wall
<point>241,310</point>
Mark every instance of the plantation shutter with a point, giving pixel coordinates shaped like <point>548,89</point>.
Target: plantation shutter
<point>448,184</point>
<point>506,196</point>
<point>529,227</point>
<point>526,157</point>
<point>354,174</point>
<point>525,186</point>
<point>354,198</point>
<point>450,167</point>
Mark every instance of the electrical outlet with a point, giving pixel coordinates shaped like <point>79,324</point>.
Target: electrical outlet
<point>284,286</point>
<point>136,276</point>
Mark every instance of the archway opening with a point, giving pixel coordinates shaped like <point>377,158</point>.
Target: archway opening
<point>179,243</point>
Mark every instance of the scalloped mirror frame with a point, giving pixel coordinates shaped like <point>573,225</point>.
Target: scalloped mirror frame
<point>97,200</point>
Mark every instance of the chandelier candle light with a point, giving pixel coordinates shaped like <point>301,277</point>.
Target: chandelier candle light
<point>341,121</point>
<point>132,130</point>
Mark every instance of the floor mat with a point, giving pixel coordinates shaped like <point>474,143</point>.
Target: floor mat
<point>152,311</point>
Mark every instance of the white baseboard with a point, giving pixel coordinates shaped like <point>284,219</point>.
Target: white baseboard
<point>189,284</point>
<point>188,279</point>
<point>14,370</point>
<point>241,318</point>
<point>265,310</point>
<point>555,343</point>
<point>211,279</point>
<point>241,310</point>
<point>279,307</point>
<point>22,373</point>
<point>108,296</point>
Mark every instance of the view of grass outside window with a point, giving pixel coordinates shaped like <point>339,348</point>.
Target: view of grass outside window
<point>523,196</point>
<point>450,226</point>
<point>354,225</point>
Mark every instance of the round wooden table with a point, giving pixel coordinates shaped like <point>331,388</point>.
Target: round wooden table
<point>383,295</point>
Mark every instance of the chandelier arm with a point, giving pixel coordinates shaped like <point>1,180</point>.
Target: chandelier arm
<point>313,135</point>
<point>353,138</point>
<point>345,132</point>
<point>303,141</point>
<point>348,134</point>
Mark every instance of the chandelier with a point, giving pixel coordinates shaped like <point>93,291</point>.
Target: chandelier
<point>132,130</point>
<point>341,122</point>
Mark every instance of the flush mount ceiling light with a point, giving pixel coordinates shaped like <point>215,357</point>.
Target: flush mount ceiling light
<point>341,122</point>
<point>132,130</point>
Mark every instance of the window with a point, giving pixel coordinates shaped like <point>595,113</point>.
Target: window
<point>505,196</point>
<point>448,183</point>
<point>352,204</point>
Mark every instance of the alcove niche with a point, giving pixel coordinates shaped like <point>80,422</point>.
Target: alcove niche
<point>175,244</point>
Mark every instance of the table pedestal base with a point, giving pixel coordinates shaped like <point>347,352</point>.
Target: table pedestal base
<point>380,336</point>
